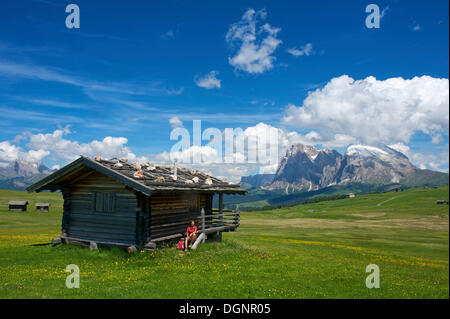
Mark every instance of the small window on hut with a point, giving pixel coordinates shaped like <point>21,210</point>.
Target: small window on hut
<point>104,202</point>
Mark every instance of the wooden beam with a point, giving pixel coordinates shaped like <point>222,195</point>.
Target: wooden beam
<point>203,219</point>
<point>84,173</point>
<point>221,228</point>
<point>220,208</point>
<point>89,172</point>
<point>218,215</point>
<point>74,240</point>
<point>166,238</point>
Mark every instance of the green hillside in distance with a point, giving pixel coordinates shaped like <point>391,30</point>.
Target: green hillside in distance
<point>263,198</point>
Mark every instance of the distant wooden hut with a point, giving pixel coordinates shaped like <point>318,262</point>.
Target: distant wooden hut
<point>351,195</point>
<point>118,203</point>
<point>43,207</point>
<point>18,205</point>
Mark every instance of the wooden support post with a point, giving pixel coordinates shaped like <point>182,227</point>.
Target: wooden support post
<point>203,220</point>
<point>220,209</point>
<point>237,216</point>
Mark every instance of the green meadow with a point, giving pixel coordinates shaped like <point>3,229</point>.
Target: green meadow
<point>318,250</point>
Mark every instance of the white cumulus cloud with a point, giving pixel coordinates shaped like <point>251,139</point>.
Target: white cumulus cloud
<point>10,152</point>
<point>209,81</point>
<point>437,161</point>
<point>376,111</point>
<point>307,50</point>
<point>61,148</point>
<point>253,43</point>
<point>175,122</point>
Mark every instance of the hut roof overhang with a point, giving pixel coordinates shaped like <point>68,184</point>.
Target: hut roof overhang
<point>18,202</point>
<point>145,178</point>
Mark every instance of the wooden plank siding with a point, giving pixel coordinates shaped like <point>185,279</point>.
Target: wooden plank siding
<point>171,212</point>
<point>81,220</point>
<point>142,219</point>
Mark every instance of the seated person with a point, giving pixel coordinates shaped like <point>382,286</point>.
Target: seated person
<point>191,235</point>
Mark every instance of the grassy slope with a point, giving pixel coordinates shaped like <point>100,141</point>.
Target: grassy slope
<point>318,250</point>
<point>258,198</point>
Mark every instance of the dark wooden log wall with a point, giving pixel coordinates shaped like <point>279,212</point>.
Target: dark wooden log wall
<point>171,212</point>
<point>18,208</point>
<point>80,220</point>
<point>142,219</point>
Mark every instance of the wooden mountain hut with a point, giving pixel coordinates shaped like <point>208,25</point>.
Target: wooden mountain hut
<point>114,202</point>
<point>18,205</point>
<point>43,207</point>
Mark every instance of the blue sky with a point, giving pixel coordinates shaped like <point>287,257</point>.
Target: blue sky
<point>132,66</point>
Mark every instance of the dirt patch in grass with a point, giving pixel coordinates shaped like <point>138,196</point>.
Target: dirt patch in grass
<point>369,215</point>
<point>300,223</point>
<point>429,222</point>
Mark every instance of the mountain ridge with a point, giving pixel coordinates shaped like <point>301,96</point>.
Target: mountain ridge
<point>19,174</point>
<point>308,168</point>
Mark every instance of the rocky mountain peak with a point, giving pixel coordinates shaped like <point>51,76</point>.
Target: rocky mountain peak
<point>304,165</point>
<point>310,151</point>
<point>24,168</point>
<point>307,167</point>
<point>19,174</point>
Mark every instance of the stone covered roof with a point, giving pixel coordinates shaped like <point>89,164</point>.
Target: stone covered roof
<point>143,177</point>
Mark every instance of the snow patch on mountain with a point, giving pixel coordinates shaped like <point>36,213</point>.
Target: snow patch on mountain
<point>373,151</point>
<point>364,151</point>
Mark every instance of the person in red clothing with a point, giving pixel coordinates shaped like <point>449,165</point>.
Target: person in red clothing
<point>191,234</point>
